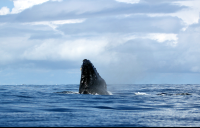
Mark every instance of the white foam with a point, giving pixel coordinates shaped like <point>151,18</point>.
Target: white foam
<point>68,92</point>
<point>110,93</point>
<point>140,93</point>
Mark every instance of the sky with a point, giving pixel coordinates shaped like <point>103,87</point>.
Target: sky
<point>128,41</point>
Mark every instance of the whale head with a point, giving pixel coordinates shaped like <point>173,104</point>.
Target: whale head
<point>91,82</point>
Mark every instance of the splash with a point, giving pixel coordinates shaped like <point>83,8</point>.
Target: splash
<point>140,93</point>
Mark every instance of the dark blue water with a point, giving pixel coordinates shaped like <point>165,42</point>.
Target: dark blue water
<point>129,105</point>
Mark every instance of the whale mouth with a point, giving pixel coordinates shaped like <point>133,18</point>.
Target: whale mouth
<point>88,69</point>
<point>86,63</point>
<point>87,76</point>
<point>91,82</point>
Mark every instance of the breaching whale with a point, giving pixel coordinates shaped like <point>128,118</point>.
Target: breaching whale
<point>91,82</point>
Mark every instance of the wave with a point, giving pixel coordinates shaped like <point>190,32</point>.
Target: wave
<point>140,93</point>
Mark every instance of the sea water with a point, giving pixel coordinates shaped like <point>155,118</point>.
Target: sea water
<point>136,105</point>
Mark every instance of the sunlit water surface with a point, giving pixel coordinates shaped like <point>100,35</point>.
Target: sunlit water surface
<point>129,105</point>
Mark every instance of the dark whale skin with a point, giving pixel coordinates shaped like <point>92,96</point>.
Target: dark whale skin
<point>91,82</point>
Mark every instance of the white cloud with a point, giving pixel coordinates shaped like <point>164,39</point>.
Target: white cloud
<point>189,15</point>
<point>11,48</point>
<point>20,5</point>
<point>54,24</point>
<point>21,49</point>
<point>4,11</point>
<point>70,50</point>
<point>129,1</point>
<point>162,37</point>
<point>159,37</point>
<point>129,44</point>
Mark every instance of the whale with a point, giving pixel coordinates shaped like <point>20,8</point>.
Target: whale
<point>91,82</point>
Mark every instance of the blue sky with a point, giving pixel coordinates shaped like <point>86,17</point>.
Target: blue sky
<point>128,41</point>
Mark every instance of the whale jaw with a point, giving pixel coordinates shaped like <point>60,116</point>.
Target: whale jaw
<point>91,82</point>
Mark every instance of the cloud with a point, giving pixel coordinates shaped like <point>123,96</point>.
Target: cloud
<point>77,9</point>
<point>4,11</point>
<point>162,37</point>
<point>188,49</point>
<point>129,1</point>
<point>55,24</point>
<point>66,50</point>
<point>191,14</point>
<point>20,5</point>
<point>124,25</point>
<point>125,40</point>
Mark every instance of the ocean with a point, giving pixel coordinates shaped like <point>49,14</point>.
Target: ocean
<point>129,105</point>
